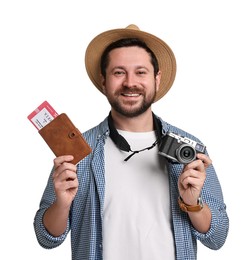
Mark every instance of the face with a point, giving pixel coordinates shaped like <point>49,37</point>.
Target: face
<point>130,85</point>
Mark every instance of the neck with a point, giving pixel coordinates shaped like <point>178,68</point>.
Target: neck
<point>121,142</point>
<point>141,123</point>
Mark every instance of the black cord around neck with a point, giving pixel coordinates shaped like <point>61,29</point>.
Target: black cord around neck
<point>122,143</point>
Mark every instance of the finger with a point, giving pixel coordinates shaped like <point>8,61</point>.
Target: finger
<point>64,167</point>
<point>72,184</point>
<point>205,159</point>
<point>65,175</point>
<point>190,187</point>
<point>193,173</point>
<point>61,159</point>
<point>197,164</point>
<point>191,177</point>
<point>66,190</point>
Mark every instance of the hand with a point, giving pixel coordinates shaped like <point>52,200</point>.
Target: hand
<point>192,179</point>
<point>65,180</point>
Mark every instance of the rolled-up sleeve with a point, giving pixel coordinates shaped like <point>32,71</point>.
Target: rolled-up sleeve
<point>45,239</point>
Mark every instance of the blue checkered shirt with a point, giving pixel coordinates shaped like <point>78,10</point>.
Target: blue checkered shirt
<point>86,215</point>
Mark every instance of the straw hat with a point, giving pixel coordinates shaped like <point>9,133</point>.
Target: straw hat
<point>162,51</point>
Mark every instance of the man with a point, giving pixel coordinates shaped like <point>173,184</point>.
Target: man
<point>129,199</point>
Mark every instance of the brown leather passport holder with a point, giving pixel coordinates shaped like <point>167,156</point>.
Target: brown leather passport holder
<point>64,138</point>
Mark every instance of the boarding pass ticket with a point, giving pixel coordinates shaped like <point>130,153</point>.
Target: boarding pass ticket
<point>42,115</point>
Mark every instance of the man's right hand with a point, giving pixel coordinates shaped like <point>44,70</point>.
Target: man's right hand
<point>65,180</point>
<point>66,186</point>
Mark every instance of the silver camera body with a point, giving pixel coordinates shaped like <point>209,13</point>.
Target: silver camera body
<point>180,149</point>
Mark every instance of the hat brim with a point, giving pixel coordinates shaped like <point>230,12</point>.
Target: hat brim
<point>163,53</point>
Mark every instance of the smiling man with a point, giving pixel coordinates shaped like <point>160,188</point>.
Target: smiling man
<point>131,80</point>
<point>125,200</point>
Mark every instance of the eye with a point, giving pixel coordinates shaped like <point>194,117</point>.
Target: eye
<point>119,72</point>
<point>141,72</point>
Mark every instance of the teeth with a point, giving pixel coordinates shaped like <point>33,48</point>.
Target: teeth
<point>131,95</point>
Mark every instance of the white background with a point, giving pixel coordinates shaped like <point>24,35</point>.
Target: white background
<point>42,48</point>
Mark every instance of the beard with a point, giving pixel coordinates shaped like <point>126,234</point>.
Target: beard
<point>131,108</point>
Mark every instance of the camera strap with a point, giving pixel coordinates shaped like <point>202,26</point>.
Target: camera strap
<point>122,143</point>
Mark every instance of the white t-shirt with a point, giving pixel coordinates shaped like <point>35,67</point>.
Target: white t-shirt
<point>137,219</point>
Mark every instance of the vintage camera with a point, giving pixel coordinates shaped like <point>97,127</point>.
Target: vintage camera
<point>180,149</point>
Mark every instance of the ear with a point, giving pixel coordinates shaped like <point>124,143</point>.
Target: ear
<point>158,80</point>
<point>103,81</point>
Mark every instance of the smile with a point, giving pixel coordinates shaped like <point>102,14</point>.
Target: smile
<point>131,95</point>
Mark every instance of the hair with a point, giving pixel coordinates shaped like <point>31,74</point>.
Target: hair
<point>127,42</point>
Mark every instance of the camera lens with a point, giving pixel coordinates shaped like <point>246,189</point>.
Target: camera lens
<point>185,153</point>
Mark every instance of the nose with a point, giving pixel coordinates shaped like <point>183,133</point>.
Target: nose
<point>130,80</point>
